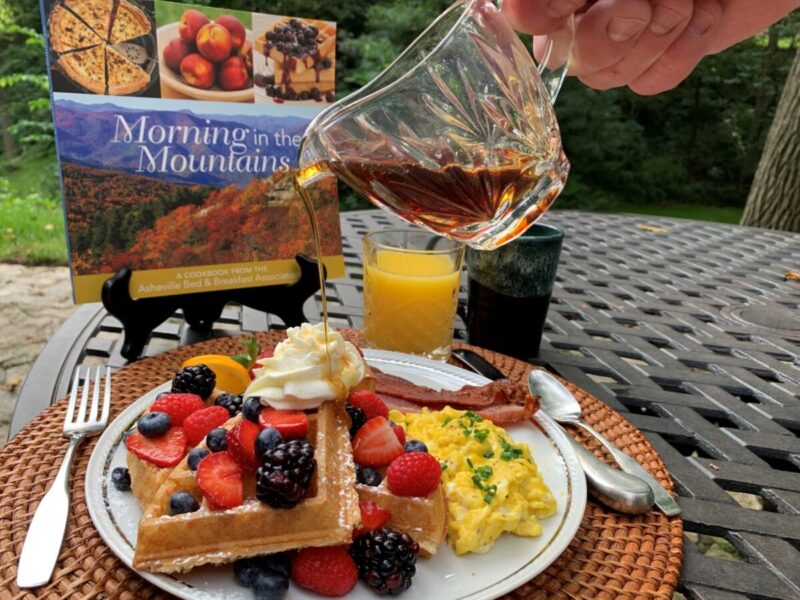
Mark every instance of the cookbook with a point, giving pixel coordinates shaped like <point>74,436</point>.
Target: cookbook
<point>177,130</point>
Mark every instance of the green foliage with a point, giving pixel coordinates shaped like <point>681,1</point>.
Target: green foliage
<point>32,228</point>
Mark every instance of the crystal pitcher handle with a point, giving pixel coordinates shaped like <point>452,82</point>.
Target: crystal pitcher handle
<point>555,52</point>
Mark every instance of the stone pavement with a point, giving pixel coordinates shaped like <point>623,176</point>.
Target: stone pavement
<point>34,302</point>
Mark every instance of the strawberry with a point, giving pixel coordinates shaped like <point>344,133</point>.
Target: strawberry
<point>199,423</point>
<point>242,445</point>
<point>399,432</point>
<point>376,444</point>
<point>370,403</point>
<point>414,474</point>
<point>178,406</point>
<point>164,451</point>
<point>220,480</point>
<point>291,424</point>
<point>266,353</point>
<point>328,571</point>
<point>372,515</point>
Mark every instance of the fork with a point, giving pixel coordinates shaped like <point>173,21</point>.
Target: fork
<point>46,531</point>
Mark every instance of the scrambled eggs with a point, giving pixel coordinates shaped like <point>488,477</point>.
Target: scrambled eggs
<point>492,484</point>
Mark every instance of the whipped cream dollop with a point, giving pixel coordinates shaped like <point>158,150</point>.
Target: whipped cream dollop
<point>298,377</point>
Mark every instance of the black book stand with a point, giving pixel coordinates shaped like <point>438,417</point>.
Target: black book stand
<point>140,317</point>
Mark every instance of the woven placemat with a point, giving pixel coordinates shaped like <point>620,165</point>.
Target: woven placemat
<point>612,557</point>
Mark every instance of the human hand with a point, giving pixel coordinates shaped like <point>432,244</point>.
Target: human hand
<point>647,45</point>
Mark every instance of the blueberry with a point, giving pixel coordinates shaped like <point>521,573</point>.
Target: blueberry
<point>246,569</point>
<point>269,586</point>
<point>216,440</point>
<point>121,479</point>
<point>368,476</point>
<point>278,564</point>
<point>182,502</point>
<point>330,97</point>
<point>154,424</point>
<point>267,439</point>
<point>251,408</point>
<point>195,456</point>
<point>415,446</point>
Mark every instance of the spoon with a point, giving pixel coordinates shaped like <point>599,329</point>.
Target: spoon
<point>559,403</point>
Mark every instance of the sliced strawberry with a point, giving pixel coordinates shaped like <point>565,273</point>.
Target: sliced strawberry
<point>372,515</point>
<point>199,423</point>
<point>376,444</point>
<point>178,406</point>
<point>370,403</point>
<point>400,433</point>
<point>163,451</point>
<point>291,424</point>
<point>242,445</point>
<point>266,353</point>
<point>219,477</point>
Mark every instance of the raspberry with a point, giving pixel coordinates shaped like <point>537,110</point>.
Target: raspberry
<point>178,406</point>
<point>370,403</point>
<point>199,423</point>
<point>414,474</point>
<point>327,571</point>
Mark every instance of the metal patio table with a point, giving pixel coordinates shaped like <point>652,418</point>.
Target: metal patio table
<point>690,329</point>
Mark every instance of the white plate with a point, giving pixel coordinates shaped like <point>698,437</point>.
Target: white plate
<point>513,560</point>
<point>169,32</point>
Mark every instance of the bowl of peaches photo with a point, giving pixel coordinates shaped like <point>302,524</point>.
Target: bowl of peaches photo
<point>206,59</point>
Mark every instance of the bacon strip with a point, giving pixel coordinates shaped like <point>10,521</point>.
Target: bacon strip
<point>502,391</point>
<point>503,402</point>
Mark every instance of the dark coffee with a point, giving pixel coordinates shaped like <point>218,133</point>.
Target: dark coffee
<point>506,324</point>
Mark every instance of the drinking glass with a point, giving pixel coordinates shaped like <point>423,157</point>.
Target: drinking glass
<point>457,135</point>
<point>411,282</point>
<point>509,292</point>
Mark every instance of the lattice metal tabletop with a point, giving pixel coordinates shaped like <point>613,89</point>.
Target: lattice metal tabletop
<point>688,328</point>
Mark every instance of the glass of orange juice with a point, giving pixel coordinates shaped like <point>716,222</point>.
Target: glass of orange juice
<point>411,281</point>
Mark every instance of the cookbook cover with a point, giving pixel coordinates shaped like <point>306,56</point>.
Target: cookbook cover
<point>177,128</point>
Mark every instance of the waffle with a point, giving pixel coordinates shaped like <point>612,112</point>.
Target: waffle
<point>146,478</point>
<point>169,544</point>
<point>424,519</point>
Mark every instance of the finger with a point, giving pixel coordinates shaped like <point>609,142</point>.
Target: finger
<point>606,32</point>
<point>538,17</point>
<point>670,18</point>
<point>680,59</point>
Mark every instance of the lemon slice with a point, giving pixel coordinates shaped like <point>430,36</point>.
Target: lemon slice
<point>231,376</point>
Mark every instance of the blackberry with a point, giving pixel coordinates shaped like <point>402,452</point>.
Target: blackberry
<point>230,402</point>
<point>368,476</point>
<point>197,379</point>
<point>385,559</point>
<point>285,473</point>
<point>357,418</point>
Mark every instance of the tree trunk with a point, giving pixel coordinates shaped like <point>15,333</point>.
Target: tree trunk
<point>9,144</point>
<point>774,200</point>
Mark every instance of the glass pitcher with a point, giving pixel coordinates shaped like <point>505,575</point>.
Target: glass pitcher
<point>457,135</point>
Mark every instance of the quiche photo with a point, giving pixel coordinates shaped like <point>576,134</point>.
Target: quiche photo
<point>103,46</point>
